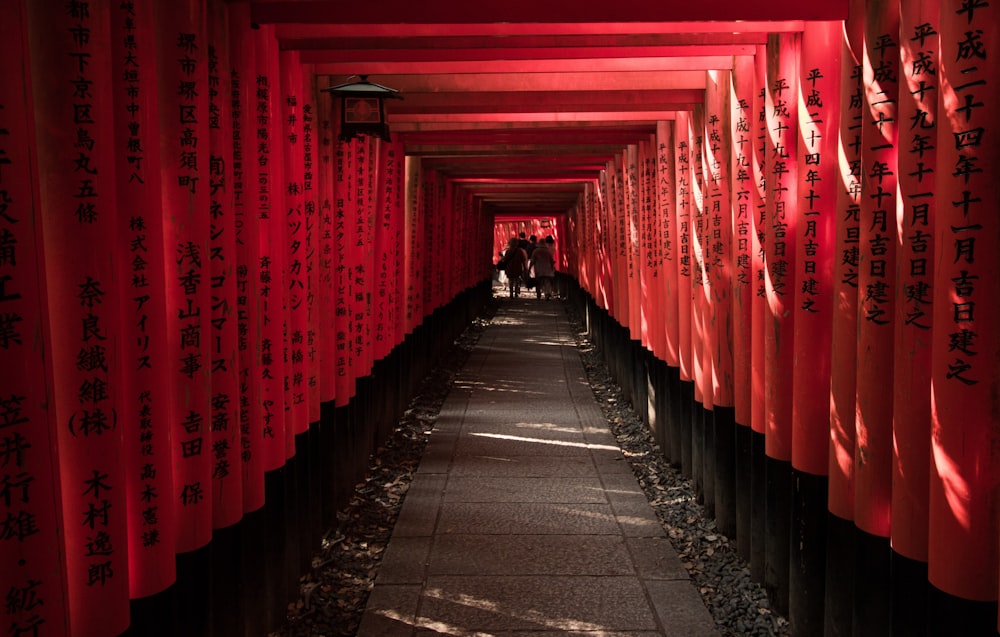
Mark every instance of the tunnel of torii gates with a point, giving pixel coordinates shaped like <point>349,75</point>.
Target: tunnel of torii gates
<point>212,309</point>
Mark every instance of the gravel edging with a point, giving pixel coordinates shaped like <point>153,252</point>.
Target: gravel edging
<point>334,593</point>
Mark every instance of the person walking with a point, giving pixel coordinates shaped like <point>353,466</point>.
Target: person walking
<point>515,261</point>
<point>543,263</point>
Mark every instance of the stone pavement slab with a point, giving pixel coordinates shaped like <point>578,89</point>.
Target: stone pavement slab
<point>523,517</point>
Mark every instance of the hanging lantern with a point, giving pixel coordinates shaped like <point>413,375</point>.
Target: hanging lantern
<point>362,109</point>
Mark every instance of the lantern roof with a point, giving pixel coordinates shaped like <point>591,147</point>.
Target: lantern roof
<point>363,88</point>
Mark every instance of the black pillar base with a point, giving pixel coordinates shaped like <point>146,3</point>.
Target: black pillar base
<point>686,403</point>
<point>839,590</point>
<point>744,500</point>
<point>673,398</point>
<point>908,598</point>
<point>871,585</point>
<point>758,497</point>
<point>807,554</point>
<point>708,459</point>
<point>777,531</point>
<point>950,615</point>
<point>725,470</point>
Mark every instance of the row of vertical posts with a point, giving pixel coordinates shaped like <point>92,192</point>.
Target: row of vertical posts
<point>191,265</point>
<point>812,290</point>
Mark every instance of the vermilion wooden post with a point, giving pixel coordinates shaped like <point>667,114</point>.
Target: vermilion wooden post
<point>781,234</point>
<point>414,303</point>
<point>745,200</point>
<point>70,53</point>
<point>666,203</point>
<point>630,174</point>
<point>818,127</point>
<point>227,483</point>
<point>914,307</point>
<point>604,231</point>
<point>34,571</point>
<point>651,252</point>
<point>758,420</point>
<point>386,247</point>
<point>965,376</point>
<point>294,216</point>
<point>296,283</point>
<point>269,272</point>
<point>914,312</point>
<point>720,220</point>
<point>344,219</point>
<point>327,246</point>
<point>876,315</point>
<point>145,380</point>
<point>701,430</point>
<point>242,77</point>
<point>684,178</point>
<point>844,288</point>
<point>310,206</point>
<point>719,212</point>
<point>701,363</point>
<point>845,276</point>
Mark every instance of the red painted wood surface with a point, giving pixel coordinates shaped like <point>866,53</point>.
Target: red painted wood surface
<point>246,224</point>
<point>70,53</point>
<point>818,125</point>
<point>745,201</point>
<point>719,208</point>
<point>702,330</point>
<point>227,483</point>
<point>781,232</point>
<point>269,271</point>
<point>666,203</point>
<point>683,179</point>
<point>965,376</point>
<point>311,150</point>
<point>843,360</point>
<point>758,419</point>
<point>296,342</point>
<point>327,247</point>
<point>146,384</point>
<point>911,424</point>
<point>877,271</point>
<point>35,584</point>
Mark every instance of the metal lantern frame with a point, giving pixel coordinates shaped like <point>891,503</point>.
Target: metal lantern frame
<point>362,108</point>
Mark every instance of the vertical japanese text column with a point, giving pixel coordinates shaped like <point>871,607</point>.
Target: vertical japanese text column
<point>34,586</point>
<point>183,73</point>
<point>965,376</point>
<point>146,381</point>
<point>70,53</point>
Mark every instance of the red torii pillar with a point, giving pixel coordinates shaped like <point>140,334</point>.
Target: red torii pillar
<point>781,231</point>
<point>819,88</point>
<point>70,53</point>
<point>844,287</point>
<point>35,579</point>
<point>911,421</point>
<point>965,368</point>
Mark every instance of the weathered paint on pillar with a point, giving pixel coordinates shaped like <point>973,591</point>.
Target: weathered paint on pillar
<point>296,283</point>
<point>965,380</point>
<point>246,228</point>
<point>719,244</point>
<point>344,215</point>
<point>630,174</point>
<point>843,361</point>
<point>781,232</point>
<point>270,268</point>
<point>701,310</point>
<point>758,419</point>
<point>227,483</point>
<point>310,193</point>
<point>666,202</point>
<point>911,424</point>
<point>876,271</point>
<point>819,124</point>
<point>414,249</point>
<point>148,401</point>
<point>683,179</point>
<point>388,242</point>
<point>745,201</point>
<point>327,244</point>
<point>183,91</point>
<point>70,53</point>
<point>34,571</point>
<point>650,252</point>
